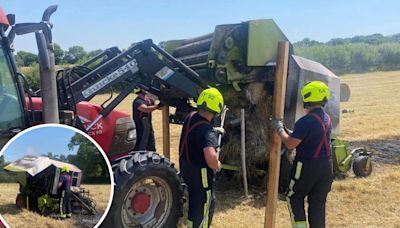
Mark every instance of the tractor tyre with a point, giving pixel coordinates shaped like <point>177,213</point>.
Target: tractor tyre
<point>148,192</point>
<point>362,166</point>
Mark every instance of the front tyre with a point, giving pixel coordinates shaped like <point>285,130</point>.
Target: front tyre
<point>148,192</point>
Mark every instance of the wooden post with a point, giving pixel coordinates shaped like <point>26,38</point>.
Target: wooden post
<point>274,152</point>
<point>165,127</point>
<point>243,151</point>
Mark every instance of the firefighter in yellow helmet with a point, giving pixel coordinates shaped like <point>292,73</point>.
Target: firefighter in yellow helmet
<point>312,171</point>
<point>198,158</point>
<point>64,185</point>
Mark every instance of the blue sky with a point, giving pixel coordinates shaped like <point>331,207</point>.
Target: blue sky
<point>99,24</point>
<point>40,141</point>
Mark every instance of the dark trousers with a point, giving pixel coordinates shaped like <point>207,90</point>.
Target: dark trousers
<point>65,203</point>
<point>201,194</point>
<point>145,141</point>
<point>312,179</point>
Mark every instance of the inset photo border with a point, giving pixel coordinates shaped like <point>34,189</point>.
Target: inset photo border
<point>56,175</point>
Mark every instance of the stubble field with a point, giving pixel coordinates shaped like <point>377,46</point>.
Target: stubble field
<point>373,121</point>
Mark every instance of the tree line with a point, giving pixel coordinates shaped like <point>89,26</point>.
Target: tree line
<point>358,54</point>
<point>74,55</point>
<point>28,62</point>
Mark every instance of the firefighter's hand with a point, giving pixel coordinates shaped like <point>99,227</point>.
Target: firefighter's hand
<point>219,167</point>
<point>276,124</point>
<point>219,130</point>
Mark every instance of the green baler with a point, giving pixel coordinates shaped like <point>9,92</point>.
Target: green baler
<point>240,60</point>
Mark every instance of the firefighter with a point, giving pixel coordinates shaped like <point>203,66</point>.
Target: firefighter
<point>142,108</point>
<point>64,185</point>
<point>198,158</point>
<point>312,171</point>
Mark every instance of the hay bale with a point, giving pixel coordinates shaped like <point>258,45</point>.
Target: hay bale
<point>257,102</point>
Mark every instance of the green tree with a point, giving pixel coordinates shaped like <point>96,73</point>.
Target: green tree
<point>356,54</point>
<point>58,54</point>
<point>25,58</point>
<point>33,75</point>
<point>89,159</point>
<point>74,54</point>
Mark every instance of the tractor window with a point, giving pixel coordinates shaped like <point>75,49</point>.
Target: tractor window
<point>11,114</point>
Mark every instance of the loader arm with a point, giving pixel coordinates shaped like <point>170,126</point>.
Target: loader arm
<point>139,66</point>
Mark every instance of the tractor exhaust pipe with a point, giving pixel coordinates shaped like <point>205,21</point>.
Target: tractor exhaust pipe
<point>48,82</point>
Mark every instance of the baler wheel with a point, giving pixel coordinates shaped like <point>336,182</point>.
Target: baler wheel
<point>362,166</point>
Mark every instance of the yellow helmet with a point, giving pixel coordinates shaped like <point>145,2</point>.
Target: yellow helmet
<point>137,90</point>
<point>211,100</point>
<point>65,169</point>
<point>315,92</point>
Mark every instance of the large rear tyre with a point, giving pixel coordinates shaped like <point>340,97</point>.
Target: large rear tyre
<point>362,166</point>
<point>148,192</point>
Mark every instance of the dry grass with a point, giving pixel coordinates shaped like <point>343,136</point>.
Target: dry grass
<point>175,130</point>
<point>25,218</point>
<point>374,99</point>
<point>353,202</point>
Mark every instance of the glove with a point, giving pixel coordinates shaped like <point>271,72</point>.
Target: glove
<point>219,167</point>
<point>219,130</point>
<point>288,131</point>
<point>276,124</point>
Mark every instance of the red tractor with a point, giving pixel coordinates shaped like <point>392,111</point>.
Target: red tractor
<point>148,190</point>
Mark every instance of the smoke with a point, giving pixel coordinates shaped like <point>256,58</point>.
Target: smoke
<point>30,150</point>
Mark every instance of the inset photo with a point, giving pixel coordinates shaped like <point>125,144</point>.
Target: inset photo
<point>54,176</point>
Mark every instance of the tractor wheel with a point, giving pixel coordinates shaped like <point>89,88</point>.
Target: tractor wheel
<point>20,201</point>
<point>148,192</point>
<point>362,166</point>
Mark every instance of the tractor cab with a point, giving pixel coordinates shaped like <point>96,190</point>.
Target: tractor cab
<point>12,102</point>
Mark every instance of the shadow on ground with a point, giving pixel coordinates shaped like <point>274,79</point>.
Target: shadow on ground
<point>230,194</point>
<point>385,151</point>
<point>9,209</point>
